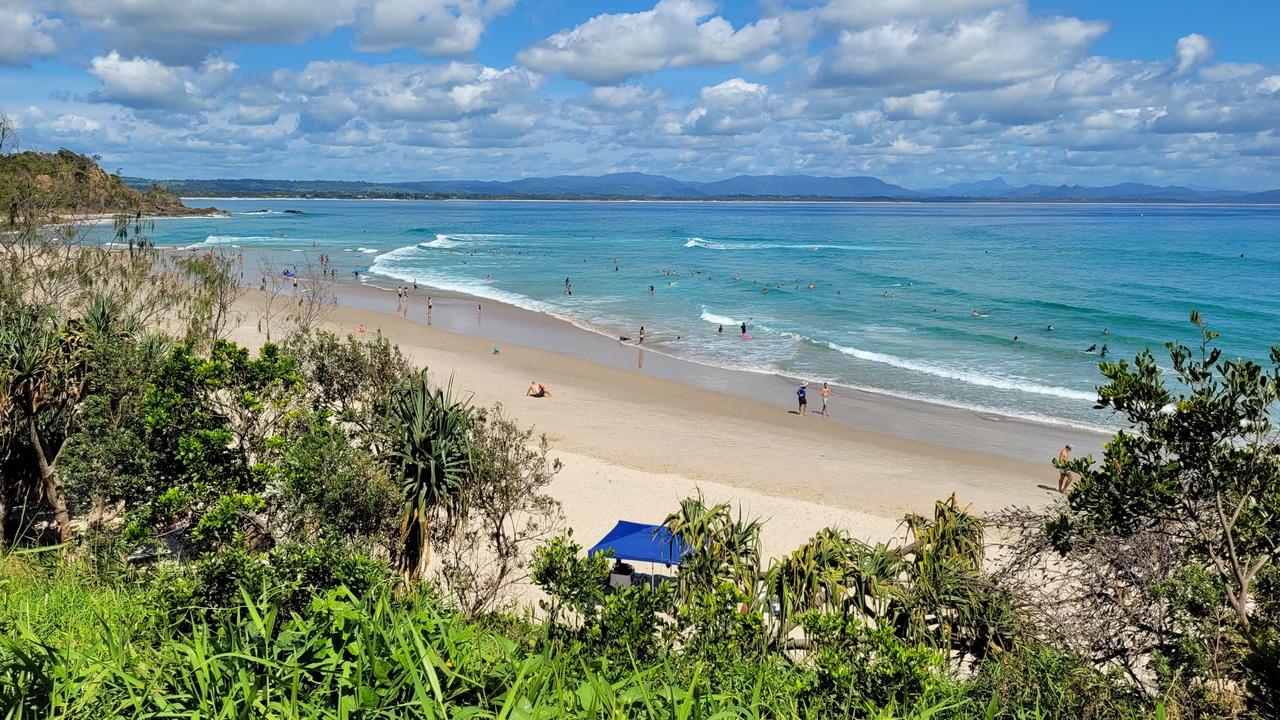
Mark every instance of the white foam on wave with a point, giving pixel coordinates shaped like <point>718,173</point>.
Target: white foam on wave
<point>367,251</point>
<point>442,241</point>
<point>697,242</point>
<point>226,239</point>
<point>715,319</point>
<point>385,263</point>
<point>965,376</point>
<point>397,264</point>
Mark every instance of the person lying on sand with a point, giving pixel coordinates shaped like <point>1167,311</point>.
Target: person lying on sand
<point>537,390</point>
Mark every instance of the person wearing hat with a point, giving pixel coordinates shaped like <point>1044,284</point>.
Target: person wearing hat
<point>1064,478</point>
<point>802,397</point>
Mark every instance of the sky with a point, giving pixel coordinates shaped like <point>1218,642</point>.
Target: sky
<point>922,93</point>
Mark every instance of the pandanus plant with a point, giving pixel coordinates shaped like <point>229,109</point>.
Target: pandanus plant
<point>43,373</point>
<point>432,457</point>
<point>718,546</point>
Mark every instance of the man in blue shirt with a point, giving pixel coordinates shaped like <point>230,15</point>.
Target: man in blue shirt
<point>803,397</point>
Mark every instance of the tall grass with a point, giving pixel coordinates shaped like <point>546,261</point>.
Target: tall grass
<point>73,645</point>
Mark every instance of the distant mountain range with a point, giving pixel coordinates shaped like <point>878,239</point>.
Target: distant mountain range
<point>635,186</point>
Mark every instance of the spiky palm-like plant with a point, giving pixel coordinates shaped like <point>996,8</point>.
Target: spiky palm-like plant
<point>718,546</point>
<point>433,459</point>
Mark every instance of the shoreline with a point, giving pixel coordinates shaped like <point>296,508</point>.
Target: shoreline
<point>906,418</point>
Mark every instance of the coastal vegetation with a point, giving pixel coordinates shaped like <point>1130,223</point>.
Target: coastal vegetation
<point>314,528</point>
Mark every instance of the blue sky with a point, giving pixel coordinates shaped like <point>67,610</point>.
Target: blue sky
<point>918,92</point>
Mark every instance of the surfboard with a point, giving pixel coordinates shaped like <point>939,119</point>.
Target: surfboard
<point>746,336</point>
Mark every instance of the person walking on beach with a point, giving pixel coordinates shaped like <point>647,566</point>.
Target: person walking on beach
<point>641,341</point>
<point>1064,475</point>
<point>826,395</point>
<point>802,396</point>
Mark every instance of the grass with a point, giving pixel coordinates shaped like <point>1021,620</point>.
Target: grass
<point>77,645</point>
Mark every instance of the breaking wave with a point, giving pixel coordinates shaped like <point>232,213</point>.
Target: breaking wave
<point>697,242</point>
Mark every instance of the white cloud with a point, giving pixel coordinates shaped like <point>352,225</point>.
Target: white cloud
<point>998,48</point>
<point>609,48</point>
<point>922,106</point>
<point>455,104</point>
<point>183,31</point>
<point>865,13</point>
<point>734,107</point>
<point>26,33</point>
<point>145,83</point>
<point>435,27</point>
<point>74,124</point>
<point>1191,50</point>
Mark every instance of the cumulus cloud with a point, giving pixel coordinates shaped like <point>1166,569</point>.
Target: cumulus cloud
<point>144,83</point>
<point>997,48</point>
<point>71,123</point>
<point>609,48</point>
<point>1191,50</point>
<point>26,33</point>
<point>183,32</point>
<point>434,27</point>
<point>734,107</point>
<point>460,103</point>
<point>866,13</point>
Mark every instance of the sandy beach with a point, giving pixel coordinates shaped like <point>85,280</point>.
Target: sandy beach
<point>637,430</point>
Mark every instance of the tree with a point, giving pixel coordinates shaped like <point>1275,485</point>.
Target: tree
<point>508,512</point>
<point>8,134</point>
<point>1171,533</point>
<point>353,379</point>
<point>217,291</point>
<point>44,369</point>
<point>432,454</point>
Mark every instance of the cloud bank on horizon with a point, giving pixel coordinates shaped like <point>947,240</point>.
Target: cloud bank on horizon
<point>918,92</point>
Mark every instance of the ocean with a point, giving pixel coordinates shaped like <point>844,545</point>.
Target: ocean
<point>915,300</point>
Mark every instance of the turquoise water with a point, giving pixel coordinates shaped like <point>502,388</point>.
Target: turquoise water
<point>894,285</point>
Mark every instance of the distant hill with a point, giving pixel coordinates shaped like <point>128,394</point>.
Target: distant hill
<point>804,186</point>
<point>646,186</point>
<point>1270,196</point>
<point>41,185</point>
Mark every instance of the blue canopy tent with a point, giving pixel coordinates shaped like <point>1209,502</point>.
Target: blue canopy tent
<point>641,542</point>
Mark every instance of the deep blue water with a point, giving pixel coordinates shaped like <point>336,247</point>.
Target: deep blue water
<point>894,285</point>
